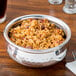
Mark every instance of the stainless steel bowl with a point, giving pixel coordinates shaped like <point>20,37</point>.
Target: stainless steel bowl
<point>37,58</point>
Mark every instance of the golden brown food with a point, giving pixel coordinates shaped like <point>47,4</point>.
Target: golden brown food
<point>36,34</point>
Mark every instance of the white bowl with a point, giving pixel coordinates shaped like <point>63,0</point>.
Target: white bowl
<point>37,58</point>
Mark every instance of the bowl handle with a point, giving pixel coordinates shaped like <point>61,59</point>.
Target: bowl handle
<point>60,56</point>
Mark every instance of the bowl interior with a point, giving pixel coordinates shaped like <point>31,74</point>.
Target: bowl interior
<point>59,23</point>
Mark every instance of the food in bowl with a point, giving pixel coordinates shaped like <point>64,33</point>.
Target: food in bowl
<point>36,34</point>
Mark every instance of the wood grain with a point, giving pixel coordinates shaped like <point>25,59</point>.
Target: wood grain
<point>16,8</point>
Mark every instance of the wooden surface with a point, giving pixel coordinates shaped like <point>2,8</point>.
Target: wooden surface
<point>16,8</point>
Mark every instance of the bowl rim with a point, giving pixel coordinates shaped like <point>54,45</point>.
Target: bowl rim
<point>5,33</point>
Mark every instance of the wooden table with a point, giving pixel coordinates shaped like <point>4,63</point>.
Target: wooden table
<point>16,8</point>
